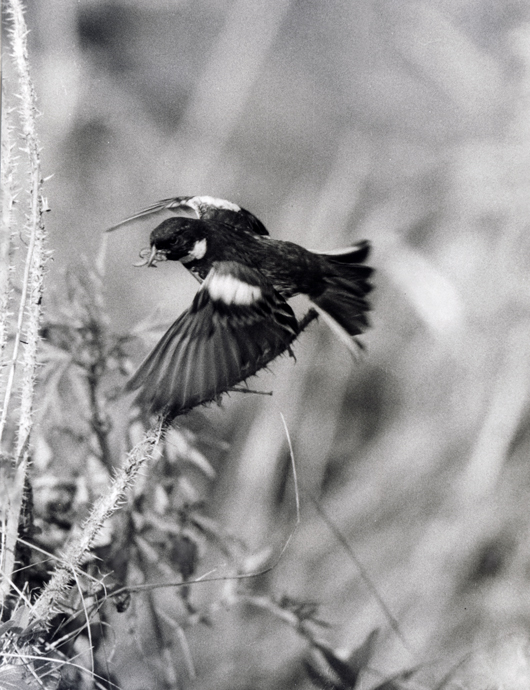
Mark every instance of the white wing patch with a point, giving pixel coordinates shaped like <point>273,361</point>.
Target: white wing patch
<point>197,201</point>
<point>230,290</point>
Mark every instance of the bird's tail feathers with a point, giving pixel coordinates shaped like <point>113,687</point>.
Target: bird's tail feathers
<point>355,254</point>
<point>347,285</point>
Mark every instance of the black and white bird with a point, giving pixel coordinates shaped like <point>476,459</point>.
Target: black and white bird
<point>239,320</point>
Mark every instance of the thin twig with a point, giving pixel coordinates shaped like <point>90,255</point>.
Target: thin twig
<point>99,420</point>
<point>293,466</point>
<point>87,619</point>
<point>363,572</point>
<point>288,617</point>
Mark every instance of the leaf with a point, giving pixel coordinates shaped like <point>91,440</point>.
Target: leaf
<point>5,627</point>
<point>21,617</point>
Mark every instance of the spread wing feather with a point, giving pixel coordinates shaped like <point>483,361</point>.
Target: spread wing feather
<point>355,254</point>
<point>162,205</point>
<point>241,219</point>
<point>216,343</point>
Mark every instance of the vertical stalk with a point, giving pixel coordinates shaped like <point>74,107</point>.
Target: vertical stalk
<point>9,193</point>
<point>29,310</point>
<point>35,257</point>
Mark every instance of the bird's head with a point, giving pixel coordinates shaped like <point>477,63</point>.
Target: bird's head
<point>176,239</point>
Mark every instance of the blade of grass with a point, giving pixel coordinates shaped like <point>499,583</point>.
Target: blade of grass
<point>363,572</point>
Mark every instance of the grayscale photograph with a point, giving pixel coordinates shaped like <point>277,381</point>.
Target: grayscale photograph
<point>295,456</point>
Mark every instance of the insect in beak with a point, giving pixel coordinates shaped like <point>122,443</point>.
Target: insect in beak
<point>151,261</point>
<point>150,256</point>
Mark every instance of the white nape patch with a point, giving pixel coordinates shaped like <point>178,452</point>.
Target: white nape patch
<point>231,290</point>
<point>199,201</point>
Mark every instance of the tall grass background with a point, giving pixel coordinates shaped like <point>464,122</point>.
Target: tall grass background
<point>406,123</point>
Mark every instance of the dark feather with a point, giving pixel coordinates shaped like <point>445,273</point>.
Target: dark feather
<point>159,206</point>
<point>214,345</point>
<point>345,288</point>
<point>242,219</point>
<point>349,255</point>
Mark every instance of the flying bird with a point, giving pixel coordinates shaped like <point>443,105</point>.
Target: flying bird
<point>239,320</point>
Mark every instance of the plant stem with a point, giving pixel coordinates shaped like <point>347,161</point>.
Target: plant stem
<point>35,258</point>
<point>76,553</point>
<point>29,310</point>
<point>99,420</point>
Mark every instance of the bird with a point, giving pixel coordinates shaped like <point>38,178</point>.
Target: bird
<point>203,208</point>
<point>240,319</point>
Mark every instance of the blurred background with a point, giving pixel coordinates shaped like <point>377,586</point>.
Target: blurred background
<point>406,123</point>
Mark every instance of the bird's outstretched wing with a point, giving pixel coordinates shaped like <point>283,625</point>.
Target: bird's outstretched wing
<point>243,219</point>
<point>235,326</point>
<point>175,204</point>
<point>203,208</point>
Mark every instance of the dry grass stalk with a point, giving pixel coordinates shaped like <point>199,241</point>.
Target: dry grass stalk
<point>9,194</point>
<point>30,302</point>
<point>107,504</point>
<point>29,310</point>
